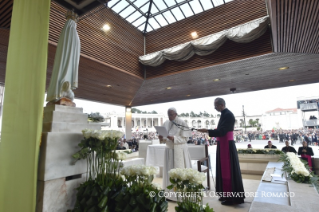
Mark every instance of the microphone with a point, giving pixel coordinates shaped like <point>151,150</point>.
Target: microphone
<point>179,125</point>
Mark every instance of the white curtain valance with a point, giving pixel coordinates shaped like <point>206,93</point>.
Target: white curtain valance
<point>243,33</point>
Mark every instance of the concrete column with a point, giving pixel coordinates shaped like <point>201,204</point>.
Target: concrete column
<point>128,123</point>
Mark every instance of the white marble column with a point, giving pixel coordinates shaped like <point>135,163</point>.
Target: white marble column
<point>128,123</point>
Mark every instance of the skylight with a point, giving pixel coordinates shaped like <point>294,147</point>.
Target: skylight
<point>149,15</point>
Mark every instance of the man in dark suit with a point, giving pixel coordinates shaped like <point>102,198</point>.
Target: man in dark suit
<point>305,150</point>
<point>314,139</point>
<point>288,148</point>
<point>306,153</point>
<point>270,146</point>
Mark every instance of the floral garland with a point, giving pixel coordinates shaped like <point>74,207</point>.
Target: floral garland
<point>188,185</point>
<point>259,151</point>
<point>298,170</point>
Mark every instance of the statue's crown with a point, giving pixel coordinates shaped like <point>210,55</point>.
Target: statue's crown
<point>72,15</point>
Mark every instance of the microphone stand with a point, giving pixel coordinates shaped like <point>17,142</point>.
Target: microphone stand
<point>192,129</point>
<point>182,126</point>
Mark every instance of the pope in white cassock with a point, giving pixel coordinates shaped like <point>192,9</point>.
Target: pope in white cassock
<point>176,154</point>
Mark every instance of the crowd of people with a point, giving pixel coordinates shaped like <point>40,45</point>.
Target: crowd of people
<point>310,136</point>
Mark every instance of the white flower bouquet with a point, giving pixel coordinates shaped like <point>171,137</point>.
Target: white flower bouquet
<point>187,183</point>
<point>298,170</point>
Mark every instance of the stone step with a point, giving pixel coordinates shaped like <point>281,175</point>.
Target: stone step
<point>63,108</point>
<point>58,116</point>
<point>56,152</point>
<point>69,127</point>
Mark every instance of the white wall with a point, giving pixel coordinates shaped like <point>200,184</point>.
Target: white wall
<point>288,121</point>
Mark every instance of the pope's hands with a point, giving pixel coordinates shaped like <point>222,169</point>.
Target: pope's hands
<point>171,138</point>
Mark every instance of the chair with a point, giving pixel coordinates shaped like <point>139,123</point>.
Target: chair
<point>196,153</point>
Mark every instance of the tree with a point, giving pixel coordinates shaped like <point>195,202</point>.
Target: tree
<point>206,114</point>
<point>95,117</point>
<point>193,114</point>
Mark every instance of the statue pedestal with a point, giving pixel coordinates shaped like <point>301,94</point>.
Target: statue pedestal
<point>58,175</point>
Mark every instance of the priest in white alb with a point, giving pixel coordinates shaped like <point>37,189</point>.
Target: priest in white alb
<point>176,154</point>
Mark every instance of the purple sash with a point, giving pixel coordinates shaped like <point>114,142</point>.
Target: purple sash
<point>225,160</point>
<point>308,158</point>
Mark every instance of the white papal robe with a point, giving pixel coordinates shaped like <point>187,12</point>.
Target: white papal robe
<point>176,153</point>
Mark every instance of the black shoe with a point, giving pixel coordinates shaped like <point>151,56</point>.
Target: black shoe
<point>227,202</point>
<point>221,199</point>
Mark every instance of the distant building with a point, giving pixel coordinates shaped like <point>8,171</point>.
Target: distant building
<point>280,118</point>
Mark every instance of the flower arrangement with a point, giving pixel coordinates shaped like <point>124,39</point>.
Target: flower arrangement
<point>103,163</point>
<point>188,185</point>
<point>298,170</point>
<point>259,151</point>
<point>140,194</point>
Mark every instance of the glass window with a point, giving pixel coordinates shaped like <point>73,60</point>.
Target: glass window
<point>154,24</point>
<point>187,10</point>
<point>139,3</point>
<point>169,17</point>
<point>196,6</point>
<point>161,20</point>
<point>120,6</point>
<point>133,16</point>
<point>178,14</point>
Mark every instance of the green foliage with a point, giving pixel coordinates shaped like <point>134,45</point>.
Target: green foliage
<point>135,110</point>
<point>95,117</point>
<point>189,196</point>
<point>137,196</point>
<point>260,151</point>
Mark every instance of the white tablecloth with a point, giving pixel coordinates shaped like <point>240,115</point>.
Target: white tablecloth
<point>155,155</point>
<point>156,152</point>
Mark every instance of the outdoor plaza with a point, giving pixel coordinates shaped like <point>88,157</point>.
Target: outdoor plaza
<point>134,53</point>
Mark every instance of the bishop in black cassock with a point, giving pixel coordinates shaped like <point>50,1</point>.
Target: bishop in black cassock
<point>228,175</point>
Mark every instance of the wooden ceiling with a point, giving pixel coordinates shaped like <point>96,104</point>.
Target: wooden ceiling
<point>112,58</point>
<point>295,25</point>
<point>252,74</point>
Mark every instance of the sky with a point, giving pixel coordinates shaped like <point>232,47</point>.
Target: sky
<point>255,103</point>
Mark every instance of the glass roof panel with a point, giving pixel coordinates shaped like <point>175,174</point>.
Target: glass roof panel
<point>196,6</point>
<point>178,14</point>
<point>160,4</point>
<point>111,3</point>
<point>171,9</point>
<point>206,4</point>
<point>127,11</point>
<point>187,10</point>
<point>139,21</point>
<point>169,2</point>
<point>154,24</point>
<point>169,17</point>
<point>133,16</point>
<point>141,28</point>
<point>218,2</point>
<point>120,6</point>
<point>154,9</point>
<point>161,20</point>
<point>139,3</point>
<point>145,8</point>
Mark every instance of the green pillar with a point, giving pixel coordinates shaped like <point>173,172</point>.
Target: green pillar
<point>23,104</point>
